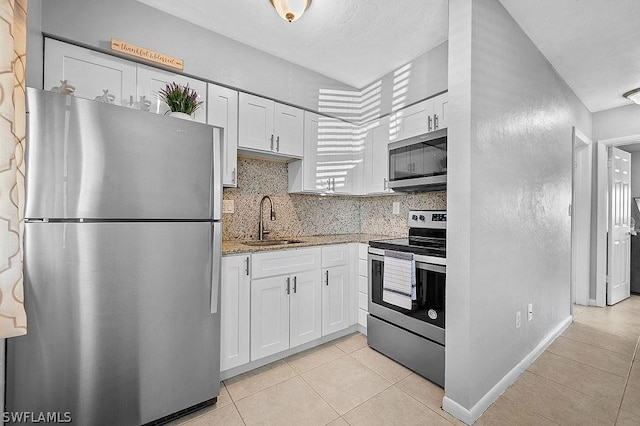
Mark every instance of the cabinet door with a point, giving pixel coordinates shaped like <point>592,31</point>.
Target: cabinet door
<point>269,316</point>
<point>304,173</point>
<point>255,123</point>
<point>222,111</point>
<point>440,105</point>
<point>234,312</point>
<point>305,308</point>
<point>289,130</point>
<point>335,299</point>
<point>414,119</point>
<point>376,161</point>
<point>88,71</point>
<point>152,80</point>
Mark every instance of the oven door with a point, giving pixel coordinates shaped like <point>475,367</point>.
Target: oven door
<point>427,318</point>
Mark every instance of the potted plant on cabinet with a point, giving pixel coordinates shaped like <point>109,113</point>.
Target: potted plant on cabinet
<point>183,101</point>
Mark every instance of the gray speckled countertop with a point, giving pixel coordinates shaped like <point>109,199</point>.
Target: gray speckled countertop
<point>236,246</point>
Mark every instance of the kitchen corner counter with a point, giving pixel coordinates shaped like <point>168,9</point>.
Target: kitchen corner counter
<point>237,246</point>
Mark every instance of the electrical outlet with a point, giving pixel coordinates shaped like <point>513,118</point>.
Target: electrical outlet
<point>228,206</point>
<point>518,319</point>
<point>396,207</point>
<point>529,311</point>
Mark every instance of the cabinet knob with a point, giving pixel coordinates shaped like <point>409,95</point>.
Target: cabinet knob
<point>326,274</point>
<point>435,121</point>
<point>278,144</point>
<point>288,285</point>
<point>271,142</point>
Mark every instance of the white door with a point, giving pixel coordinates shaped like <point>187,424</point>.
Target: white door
<point>88,71</point>
<point>222,111</point>
<point>289,130</point>
<point>305,308</point>
<point>255,123</point>
<point>440,113</point>
<point>152,80</point>
<point>335,299</point>
<point>312,174</point>
<point>619,244</point>
<point>269,316</point>
<point>234,312</point>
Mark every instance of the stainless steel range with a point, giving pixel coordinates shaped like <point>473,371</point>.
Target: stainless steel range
<point>406,301</point>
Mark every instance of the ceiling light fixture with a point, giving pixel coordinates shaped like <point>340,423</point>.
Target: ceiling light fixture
<point>633,95</point>
<point>290,10</point>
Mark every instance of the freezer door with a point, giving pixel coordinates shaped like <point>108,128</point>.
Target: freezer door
<point>87,159</point>
<point>120,323</point>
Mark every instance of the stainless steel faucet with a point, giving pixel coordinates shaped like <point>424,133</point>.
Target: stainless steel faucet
<point>261,231</point>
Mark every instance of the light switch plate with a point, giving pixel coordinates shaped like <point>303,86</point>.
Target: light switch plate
<point>396,207</point>
<point>228,206</point>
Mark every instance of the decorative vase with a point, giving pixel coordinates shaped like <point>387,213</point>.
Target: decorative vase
<point>182,115</point>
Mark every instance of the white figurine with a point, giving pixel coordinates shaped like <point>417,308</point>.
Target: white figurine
<point>106,97</point>
<point>64,88</point>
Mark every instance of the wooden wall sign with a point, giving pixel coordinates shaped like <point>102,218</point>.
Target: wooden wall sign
<point>149,55</point>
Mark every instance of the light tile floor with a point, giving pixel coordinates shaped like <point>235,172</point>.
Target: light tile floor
<point>588,376</point>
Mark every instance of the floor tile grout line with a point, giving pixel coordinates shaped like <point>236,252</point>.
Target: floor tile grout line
<point>626,383</point>
<point>422,403</point>
<point>268,387</point>
<point>596,346</point>
<point>583,363</point>
<point>593,346</point>
<point>575,390</point>
<point>321,397</point>
<point>528,408</point>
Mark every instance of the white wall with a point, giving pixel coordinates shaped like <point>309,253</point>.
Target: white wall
<point>509,188</point>
<point>616,122</point>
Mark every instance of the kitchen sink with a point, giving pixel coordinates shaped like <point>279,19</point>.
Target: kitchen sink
<point>270,243</point>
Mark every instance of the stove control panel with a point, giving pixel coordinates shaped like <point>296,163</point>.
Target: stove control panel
<point>427,219</point>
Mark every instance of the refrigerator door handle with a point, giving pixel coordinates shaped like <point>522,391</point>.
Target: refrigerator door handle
<point>216,273</point>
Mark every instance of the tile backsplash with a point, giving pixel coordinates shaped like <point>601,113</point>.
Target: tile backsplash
<point>300,215</point>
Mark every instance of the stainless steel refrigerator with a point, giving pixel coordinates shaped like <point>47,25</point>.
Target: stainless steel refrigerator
<point>122,253</point>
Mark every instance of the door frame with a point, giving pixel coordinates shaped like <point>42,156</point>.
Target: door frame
<point>581,217</point>
<point>599,226</point>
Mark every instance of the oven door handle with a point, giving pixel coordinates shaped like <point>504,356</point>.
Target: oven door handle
<point>419,265</point>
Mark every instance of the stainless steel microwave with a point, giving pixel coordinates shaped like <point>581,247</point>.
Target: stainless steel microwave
<point>419,164</point>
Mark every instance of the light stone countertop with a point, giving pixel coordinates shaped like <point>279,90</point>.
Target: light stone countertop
<point>236,246</point>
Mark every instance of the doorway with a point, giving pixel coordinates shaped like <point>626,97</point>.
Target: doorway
<point>601,207</point>
<point>581,218</point>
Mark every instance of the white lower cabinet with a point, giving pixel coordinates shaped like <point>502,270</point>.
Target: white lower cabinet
<point>363,284</point>
<point>286,300</point>
<point>269,316</point>
<point>335,299</point>
<point>335,288</point>
<point>234,312</point>
<point>285,312</point>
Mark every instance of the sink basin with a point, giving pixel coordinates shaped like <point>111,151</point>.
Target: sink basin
<point>271,243</point>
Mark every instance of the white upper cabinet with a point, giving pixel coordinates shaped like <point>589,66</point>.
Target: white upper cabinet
<point>267,126</point>
<point>289,130</point>
<point>152,80</point>
<point>330,162</point>
<point>90,72</point>
<point>376,157</point>
<point>222,111</point>
<point>426,116</point>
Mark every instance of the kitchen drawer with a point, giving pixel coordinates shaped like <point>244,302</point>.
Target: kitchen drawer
<point>362,317</point>
<point>363,284</point>
<point>363,268</point>
<point>284,262</point>
<point>335,255</point>
<point>363,301</point>
<point>363,251</point>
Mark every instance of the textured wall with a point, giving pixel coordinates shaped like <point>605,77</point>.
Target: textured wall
<point>616,122</point>
<point>509,234</point>
<point>299,215</point>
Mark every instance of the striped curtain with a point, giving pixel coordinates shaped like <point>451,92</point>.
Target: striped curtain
<point>13,36</point>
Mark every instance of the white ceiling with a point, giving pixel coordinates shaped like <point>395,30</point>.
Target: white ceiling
<point>352,41</point>
<point>593,44</point>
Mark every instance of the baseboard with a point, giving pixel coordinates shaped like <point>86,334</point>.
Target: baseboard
<point>362,329</point>
<point>592,302</point>
<point>470,416</point>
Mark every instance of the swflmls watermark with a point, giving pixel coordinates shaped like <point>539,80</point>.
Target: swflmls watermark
<point>36,417</point>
